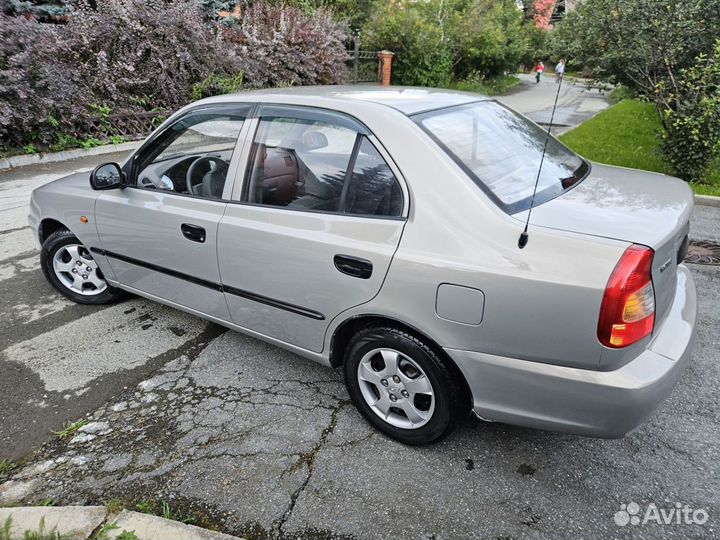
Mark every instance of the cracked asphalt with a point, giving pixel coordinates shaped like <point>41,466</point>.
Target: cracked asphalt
<point>254,441</point>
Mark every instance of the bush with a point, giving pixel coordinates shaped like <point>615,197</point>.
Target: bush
<point>691,138</point>
<point>36,87</point>
<point>438,41</point>
<point>282,45</point>
<point>140,55</point>
<point>421,58</point>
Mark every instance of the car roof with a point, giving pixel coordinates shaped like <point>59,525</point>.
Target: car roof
<point>408,100</point>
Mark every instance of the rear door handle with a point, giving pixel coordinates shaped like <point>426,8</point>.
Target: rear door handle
<point>353,266</point>
<point>193,232</point>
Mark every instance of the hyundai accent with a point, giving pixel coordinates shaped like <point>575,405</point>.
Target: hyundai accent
<point>376,230</point>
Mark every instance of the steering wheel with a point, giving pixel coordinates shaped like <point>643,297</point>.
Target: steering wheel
<point>217,165</point>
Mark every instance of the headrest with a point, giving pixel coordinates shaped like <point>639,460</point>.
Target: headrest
<point>312,140</point>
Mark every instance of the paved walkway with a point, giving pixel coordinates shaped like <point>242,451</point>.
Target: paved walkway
<point>576,102</point>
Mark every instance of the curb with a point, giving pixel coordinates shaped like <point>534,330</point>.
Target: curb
<point>85,522</point>
<point>53,157</point>
<point>707,200</point>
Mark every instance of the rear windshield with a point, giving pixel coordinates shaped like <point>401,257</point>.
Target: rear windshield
<point>501,151</point>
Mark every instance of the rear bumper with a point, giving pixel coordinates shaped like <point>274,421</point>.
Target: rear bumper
<point>606,404</point>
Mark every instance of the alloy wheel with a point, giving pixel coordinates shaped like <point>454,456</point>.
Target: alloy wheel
<point>77,270</point>
<point>396,388</point>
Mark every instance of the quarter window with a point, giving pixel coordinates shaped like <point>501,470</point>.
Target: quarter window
<point>307,164</point>
<point>373,188</point>
<point>193,156</point>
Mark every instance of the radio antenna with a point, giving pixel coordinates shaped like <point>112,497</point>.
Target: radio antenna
<point>523,240</point>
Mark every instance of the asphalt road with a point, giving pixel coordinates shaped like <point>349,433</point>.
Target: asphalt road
<point>255,441</point>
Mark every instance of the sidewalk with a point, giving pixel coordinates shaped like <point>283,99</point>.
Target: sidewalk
<point>576,102</point>
<point>95,522</point>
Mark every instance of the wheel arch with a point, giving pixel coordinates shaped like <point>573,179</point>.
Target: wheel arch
<point>47,227</point>
<point>343,334</point>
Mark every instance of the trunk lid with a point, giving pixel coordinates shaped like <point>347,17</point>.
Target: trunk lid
<point>629,205</point>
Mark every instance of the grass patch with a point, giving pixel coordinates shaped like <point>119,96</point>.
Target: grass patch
<point>490,87</point>
<point>626,134</point>
<point>164,510</point>
<point>115,506</point>
<point>42,532</point>
<point>6,467</point>
<point>69,429</point>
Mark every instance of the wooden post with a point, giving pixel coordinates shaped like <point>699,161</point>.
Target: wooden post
<point>385,67</point>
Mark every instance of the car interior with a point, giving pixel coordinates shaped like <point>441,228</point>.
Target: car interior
<point>296,166</point>
<point>302,171</point>
<point>193,157</point>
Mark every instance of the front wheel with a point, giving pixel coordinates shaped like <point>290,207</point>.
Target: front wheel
<point>71,270</point>
<point>401,386</point>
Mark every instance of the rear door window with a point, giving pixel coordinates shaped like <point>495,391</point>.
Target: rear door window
<point>316,164</point>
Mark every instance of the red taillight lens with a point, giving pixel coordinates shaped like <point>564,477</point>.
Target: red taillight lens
<point>627,313</point>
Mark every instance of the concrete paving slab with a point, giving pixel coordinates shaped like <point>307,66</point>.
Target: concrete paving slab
<point>66,522</point>
<point>147,527</point>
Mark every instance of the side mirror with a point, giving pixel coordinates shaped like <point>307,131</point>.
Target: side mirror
<point>107,176</point>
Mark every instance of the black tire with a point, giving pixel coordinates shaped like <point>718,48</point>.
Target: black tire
<point>50,247</point>
<point>451,400</point>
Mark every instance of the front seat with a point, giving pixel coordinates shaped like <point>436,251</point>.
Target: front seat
<point>214,181</point>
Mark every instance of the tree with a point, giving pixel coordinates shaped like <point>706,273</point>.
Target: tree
<point>659,48</point>
<point>440,40</point>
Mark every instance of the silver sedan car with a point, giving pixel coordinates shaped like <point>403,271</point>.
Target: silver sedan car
<point>376,230</point>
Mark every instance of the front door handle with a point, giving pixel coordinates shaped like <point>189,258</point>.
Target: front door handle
<point>193,232</point>
<point>353,266</point>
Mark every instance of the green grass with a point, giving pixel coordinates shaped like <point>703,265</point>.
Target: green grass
<point>42,532</point>
<point>490,87</point>
<point>6,467</point>
<point>626,134</point>
<point>69,429</point>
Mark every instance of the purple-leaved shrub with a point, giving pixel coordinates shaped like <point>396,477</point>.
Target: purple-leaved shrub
<point>134,55</point>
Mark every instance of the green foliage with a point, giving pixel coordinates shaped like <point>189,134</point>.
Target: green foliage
<point>5,529</point>
<point>490,87</point>
<point>639,43</point>
<point>665,51</point>
<point>626,135</point>
<point>103,533</point>
<point>438,41</point>
<point>691,139</point>
<point>115,506</point>
<point>69,428</point>
<point>215,84</point>
<point>145,507</point>
<point>622,92</point>
<point>41,533</point>
<point>127,535</point>
<point>6,467</point>
<point>30,149</point>
<point>90,142</point>
<point>163,509</point>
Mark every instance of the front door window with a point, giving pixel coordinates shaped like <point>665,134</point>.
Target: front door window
<point>193,156</point>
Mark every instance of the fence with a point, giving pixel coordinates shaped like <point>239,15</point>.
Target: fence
<point>133,125</point>
<point>364,65</point>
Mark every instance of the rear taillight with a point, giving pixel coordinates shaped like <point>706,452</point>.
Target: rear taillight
<point>627,313</point>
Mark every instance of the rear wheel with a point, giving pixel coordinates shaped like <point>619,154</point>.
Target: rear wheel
<point>70,268</point>
<point>401,386</point>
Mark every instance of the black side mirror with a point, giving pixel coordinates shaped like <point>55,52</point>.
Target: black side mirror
<point>107,176</point>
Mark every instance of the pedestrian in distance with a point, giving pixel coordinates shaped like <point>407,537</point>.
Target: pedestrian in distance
<point>539,70</point>
<point>559,70</point>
